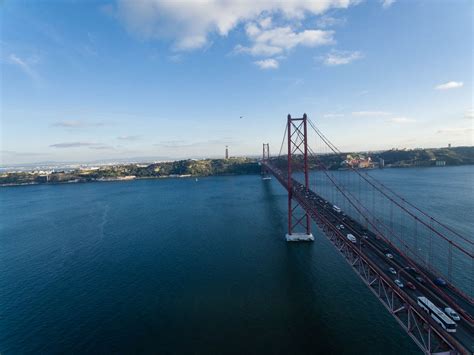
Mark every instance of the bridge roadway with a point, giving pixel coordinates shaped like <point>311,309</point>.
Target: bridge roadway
<point>375,249</point>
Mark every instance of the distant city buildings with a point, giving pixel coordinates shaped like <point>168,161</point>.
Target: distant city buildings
<point>227,152</point>
<point>358,161</point>
<point>43,178</point>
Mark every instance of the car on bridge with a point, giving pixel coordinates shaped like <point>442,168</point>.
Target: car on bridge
<point>389,255</point>
<point>411,286</point>
<point>452,314</point>
<point>399,283</point>
<point>392,271</point>
<point>437,314</point>
<point>420,279</point>
<point>440,282</point>
<point>351,238</point>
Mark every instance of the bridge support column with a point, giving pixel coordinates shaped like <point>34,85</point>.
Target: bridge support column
<point>298,149</point>
<point>265,158</point>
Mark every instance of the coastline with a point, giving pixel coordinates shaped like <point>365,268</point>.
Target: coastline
<point>77,181</point>
<point>190,176</point>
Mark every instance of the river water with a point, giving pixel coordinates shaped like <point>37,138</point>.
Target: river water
<point>184,266</point>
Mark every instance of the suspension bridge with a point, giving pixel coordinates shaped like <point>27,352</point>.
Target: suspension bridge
<point>420,269</point>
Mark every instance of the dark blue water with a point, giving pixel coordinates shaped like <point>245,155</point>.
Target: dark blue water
<point>178,266</point>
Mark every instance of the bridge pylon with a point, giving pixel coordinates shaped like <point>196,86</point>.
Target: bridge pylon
<point>265,158</point>
<point>297,150</point>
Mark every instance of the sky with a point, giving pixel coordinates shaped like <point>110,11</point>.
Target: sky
<point>95,80</point>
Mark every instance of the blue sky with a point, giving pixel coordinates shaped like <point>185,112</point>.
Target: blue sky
<point>93,80</point>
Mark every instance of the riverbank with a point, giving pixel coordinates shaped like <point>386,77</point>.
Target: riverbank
<point>176,169</point>
<point>394,158</point>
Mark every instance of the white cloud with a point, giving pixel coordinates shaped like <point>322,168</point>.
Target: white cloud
<point>449,85</point>
<point>188,24</point>
<point>265,22</point>
<point>370,113</point>
<point>76,124</point>
<point>263,50</point>
<point>73,145</point>
<point>267,64</point>
<point>401,119</point>
<point>387,3</point>
<point>329,21</point>
<point>469,114</point>
<point>341,57</point>
<point>23,65</point>
<point>269,42</point>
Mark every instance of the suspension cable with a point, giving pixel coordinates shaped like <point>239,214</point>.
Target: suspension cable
<point>337,151</point>
<point>283,140</point>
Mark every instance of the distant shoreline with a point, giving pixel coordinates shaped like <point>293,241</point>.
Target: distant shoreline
<point>187,176</point>
<point>166,170</point>
<point>106,180</point>
<point>394,158</point>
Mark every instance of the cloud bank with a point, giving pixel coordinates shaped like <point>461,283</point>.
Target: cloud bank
<point>341,57</point>
<point>450,85</point>
<point>189,24</point>
<point>193,24</point>
<point>267,64</point>
<point>387,3</point>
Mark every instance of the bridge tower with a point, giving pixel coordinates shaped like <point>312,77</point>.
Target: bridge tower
<point>297,150</point>
<point>265,158</point>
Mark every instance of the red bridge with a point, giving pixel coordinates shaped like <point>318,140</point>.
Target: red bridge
<point>419,268</point>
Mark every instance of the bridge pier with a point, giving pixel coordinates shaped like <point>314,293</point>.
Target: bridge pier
<point>299,237</point>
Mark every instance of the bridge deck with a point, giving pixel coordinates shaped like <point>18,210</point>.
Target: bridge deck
<point>373,249</point>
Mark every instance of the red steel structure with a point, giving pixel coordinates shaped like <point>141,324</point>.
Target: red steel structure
<point>367,255</point>
<point>297,144</point>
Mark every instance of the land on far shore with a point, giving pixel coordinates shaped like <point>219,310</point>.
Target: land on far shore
<point>239,166</point>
